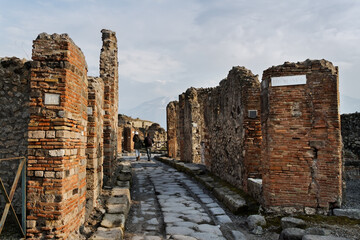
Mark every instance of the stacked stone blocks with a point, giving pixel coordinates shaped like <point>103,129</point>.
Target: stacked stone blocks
<point>95,141</point>
<point>109,74</point>
<point>14,120</point>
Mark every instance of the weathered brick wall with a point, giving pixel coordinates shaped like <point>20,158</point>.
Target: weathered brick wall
<point>350,131</point>
<point>128,144</point>
<point>301,138</point>
<point>14,120</point>
<point>57,138</point>
<point>109,74</point>
<point>233,138</point>
<point>120,140</point>
<point>95,142</point>
<point>172,120</point>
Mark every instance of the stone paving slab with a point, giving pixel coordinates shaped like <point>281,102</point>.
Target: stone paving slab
<point>107,234</point>
<point>350,213</point>
<point>113,220</point>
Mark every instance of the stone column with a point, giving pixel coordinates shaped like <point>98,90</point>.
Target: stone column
<point>95,142</point>
<point>172,120</point>
<point>56,184</point>
<point>109,74</point>
<point>301,137</point>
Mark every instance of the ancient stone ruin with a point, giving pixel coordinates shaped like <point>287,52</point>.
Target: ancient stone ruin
<point>65,123</point>
<point>128,126</point>
<point>286,153</point>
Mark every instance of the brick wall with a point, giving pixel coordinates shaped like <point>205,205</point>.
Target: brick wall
<point>57,138</point>
<point>301,137</point>
<point>95,142</point>
<point>14,119</point>
<point>109,74</point>
<point>172,120</point>
<point>233,146</point>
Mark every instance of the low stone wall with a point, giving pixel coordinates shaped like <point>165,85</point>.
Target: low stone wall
<point>14,120</point>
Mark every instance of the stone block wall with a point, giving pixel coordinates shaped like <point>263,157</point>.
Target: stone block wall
<point>234,137</point>
<point>120,140</point>
<point>95,142</point>
<point>193,125</point>
<point>350,131</point>
<point>214,127</point>
<point>301,137</point>
<point>172,120</point>
<point>109,74</point>
<point>57,140</point>
<point>14,120</point>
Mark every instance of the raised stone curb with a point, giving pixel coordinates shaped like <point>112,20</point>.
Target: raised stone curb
<point>107,233</point>
<point>232,200</point>
<point>350,213</point>
<point>292,233</point>
<point>316,237</point>
<point>117,205</point>
<point>290,222</point>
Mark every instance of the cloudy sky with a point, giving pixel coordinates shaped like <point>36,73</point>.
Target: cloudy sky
<point>167,46</point>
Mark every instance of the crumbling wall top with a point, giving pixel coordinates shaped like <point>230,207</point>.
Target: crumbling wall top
<point>322,65</point>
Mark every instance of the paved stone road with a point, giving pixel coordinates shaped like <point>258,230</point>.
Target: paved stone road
<point>168,205</point>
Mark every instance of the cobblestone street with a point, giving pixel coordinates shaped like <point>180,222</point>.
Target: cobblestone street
<point>167,204</point>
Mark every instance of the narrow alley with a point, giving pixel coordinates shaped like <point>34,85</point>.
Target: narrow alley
<point>167,204</point>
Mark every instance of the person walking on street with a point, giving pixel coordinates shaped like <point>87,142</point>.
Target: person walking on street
<point>137,145</point>
<point>148,144</point>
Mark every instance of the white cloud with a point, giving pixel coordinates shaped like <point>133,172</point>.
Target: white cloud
<point>147,66</point>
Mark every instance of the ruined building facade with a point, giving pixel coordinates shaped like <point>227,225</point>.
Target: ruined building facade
<point>128,126</point>
<point>285,131</point>
<point>301,136</point>
<point>65,123</point>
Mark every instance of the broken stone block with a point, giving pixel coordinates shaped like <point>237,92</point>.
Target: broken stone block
<point>234,202</point>
<point>317,231</point>
<point>125,176</point>
<point>113,220</point>
<point>292,233</point>
<point>117,191</point>
<point>123,184</point>
<point>316,237</point>
<point>350,213</point>
<point>255,220</point>
<point>290,222</point>
<point>107,233</point>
